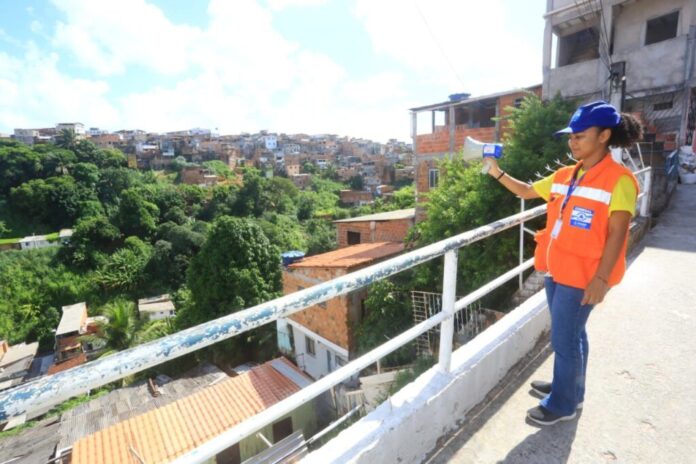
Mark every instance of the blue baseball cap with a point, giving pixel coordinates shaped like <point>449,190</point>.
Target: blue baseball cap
<point>595,114</point>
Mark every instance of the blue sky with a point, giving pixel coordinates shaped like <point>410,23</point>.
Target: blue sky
<point>348,67</point>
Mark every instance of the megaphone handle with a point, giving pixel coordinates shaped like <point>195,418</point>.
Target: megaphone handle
<point>486,166</point>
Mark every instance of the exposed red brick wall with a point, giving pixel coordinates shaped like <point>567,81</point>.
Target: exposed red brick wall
<point>331,322</point>
<point>385,231</point>
<point>354,196</point>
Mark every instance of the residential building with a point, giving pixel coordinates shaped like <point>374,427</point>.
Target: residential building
<point>32,242</point>
<point>638,54</point>
<point>77,127</point>
<point>15,362</point>
<point>187,423</point>
<point>322,335</point>
<point>392,226</point>
<point>301,181</point>
<point>27,136</point>
<point>451,122</point>
<point>195,175</point>
<point>70,349</point>
<point>356,197</point>
<point>156,308</point>
<point>107,140</point>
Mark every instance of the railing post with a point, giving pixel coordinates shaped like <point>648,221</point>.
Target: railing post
<point>647,186</point>
<point>520,278</point>
<point>449,288</point>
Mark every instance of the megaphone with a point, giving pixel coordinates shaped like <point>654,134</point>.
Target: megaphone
<point>474,150</point>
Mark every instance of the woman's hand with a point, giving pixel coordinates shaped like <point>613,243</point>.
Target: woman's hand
<point>494,169</point>
<point>595,291</point>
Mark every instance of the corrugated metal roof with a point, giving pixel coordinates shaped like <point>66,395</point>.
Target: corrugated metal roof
<point>352,256</point>
<point>20,351</point>
<point>388,216</point>
<point>163,434</point>
<point>447,104</point>
<point>71,319</point>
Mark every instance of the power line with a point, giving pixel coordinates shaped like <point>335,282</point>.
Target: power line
<point>442,50</point>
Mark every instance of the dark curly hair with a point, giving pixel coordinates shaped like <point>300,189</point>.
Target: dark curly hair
<point>627,133</point>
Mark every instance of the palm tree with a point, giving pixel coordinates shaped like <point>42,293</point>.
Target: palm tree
<point>67,139</point>
<point>120,331</point>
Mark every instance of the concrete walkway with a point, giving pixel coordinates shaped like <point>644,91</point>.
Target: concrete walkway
<point>640,404</point>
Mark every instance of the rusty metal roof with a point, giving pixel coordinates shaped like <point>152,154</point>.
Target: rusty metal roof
<point>352,256</point>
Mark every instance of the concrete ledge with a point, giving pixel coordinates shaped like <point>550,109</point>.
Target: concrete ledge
<point>408,425</point>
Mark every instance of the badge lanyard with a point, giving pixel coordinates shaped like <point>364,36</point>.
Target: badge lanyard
<point>573,185</point>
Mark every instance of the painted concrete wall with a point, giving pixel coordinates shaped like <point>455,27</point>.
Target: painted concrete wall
<point>574,79</point>
<point>408,425</point>
<point>653,66</point>
<point>322,362</point>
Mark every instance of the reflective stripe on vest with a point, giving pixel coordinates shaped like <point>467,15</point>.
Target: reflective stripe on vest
<point>590,193</point>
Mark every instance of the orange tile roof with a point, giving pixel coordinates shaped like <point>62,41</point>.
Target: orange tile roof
<point>160,435</point>
<point>355,255</point>
<point>72,362</point>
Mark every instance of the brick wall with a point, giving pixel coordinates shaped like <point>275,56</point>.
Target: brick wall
<point>331,322</point>
<point>350,197</point>
<point>385,231</point>
<point>509,100</point>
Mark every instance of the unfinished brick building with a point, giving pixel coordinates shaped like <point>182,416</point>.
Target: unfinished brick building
<point>451,122</point>
<point>391,226</point>
<point>321,336</point>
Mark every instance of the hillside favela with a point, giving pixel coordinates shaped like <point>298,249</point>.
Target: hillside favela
<point>302,231</point>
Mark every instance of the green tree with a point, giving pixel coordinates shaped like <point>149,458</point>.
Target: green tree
<point>85,174</point>
<point>321,236</point>
<point>356,182</point>
<point>67,139</point>
<point>388,313</point>
<point>283,231</point>
<point>18,164</point>
<point>92,240</point>
<point>465,199</point>
<point>136,215</point>
<point>120,331</point>
<point>237,267</point>
<point>124,270</point>
<point>404,198</point>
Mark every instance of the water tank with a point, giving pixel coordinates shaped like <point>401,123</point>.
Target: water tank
<point>455,97</point>
<point>290,257</point>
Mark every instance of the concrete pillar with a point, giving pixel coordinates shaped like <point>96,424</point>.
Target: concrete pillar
<point>546,60</point>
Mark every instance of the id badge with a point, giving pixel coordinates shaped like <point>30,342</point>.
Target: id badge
<point>556,228</point>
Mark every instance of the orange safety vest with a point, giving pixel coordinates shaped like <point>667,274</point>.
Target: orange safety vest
<point>572,256</point>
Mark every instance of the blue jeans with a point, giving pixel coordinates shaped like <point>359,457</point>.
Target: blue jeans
<point>570,347</point>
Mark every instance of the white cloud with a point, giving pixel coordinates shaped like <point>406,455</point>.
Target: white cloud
<point>277,5</point>
<point>34,93</point>
<point>109,36</point>
<point>434,36</point>
<point>237,72</point>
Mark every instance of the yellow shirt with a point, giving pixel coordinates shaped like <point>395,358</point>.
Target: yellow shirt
<point>623,198</point>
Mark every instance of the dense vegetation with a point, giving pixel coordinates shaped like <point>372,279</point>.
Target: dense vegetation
<point>138,234</point>
<point>464,200</point>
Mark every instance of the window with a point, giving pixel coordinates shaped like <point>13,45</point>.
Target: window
<point>665,105</point>
<point>353,238</point>
<point>433,177</point>
<point>579,46</point>
<point>328,361</point>
<point>518,102</point>
<point>309,346</point>
<point>662,28</point>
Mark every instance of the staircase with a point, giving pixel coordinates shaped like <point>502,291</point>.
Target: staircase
<point>532,285</point>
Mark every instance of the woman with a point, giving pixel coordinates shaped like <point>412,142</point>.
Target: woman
<point>583,247</point>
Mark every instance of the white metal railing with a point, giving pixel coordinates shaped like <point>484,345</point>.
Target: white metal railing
<point>51,390</point>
